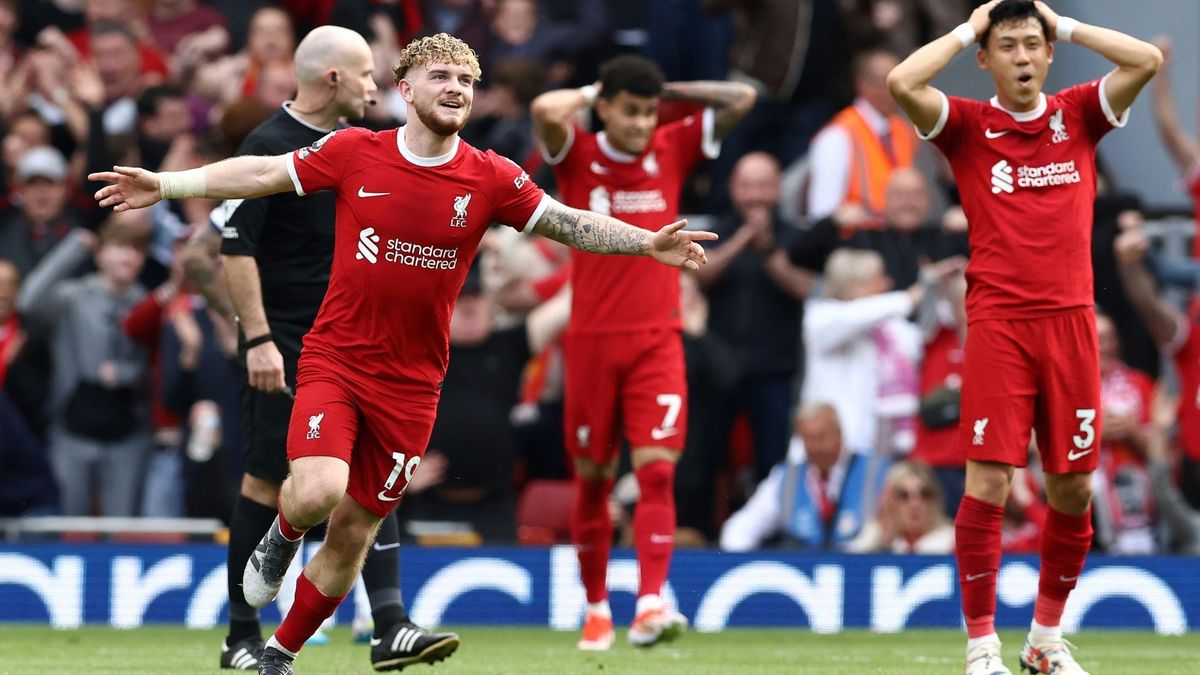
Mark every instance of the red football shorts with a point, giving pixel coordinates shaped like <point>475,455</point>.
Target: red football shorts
<point>624,383</point>
<point>1041,374</point>
<point>382,439</point>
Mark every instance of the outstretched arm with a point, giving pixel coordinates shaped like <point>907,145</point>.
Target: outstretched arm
<point>595,233</point>
<point>1162,320</point>
<point>909,81</point>
<point>730,101</point>
<point>234,178</point>
<point>1137,61</point>
<point>1182,145</point>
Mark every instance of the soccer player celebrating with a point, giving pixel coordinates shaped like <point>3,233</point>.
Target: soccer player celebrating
<point>623,351</point>
<point>277,253</point>
<point>1025,166</point>
<point>411,207</point>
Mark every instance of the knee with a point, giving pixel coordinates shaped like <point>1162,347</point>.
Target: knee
<point>351,533</point>
<point>988,482</point>
<point>656,478</point>
<point>1071,494</point>
<point>314,495</point>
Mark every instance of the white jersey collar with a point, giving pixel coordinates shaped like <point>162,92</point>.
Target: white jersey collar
<point>611,152</point>
<point>425,161</point>
<point>1023,116</point>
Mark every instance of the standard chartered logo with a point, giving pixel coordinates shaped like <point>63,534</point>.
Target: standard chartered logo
<point>1002,179</point>
<point>368,246</point>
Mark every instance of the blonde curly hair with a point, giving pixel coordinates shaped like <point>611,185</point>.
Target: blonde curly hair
<point>440,48</point>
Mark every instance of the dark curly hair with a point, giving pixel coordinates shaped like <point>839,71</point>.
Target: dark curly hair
<point>635,74</point>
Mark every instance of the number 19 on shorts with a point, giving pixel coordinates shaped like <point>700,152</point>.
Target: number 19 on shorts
<point>409,468</point>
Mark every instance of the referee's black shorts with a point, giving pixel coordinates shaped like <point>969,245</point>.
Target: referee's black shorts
<point>265,420</point>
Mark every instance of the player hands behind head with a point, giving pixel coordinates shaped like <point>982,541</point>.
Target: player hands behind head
<point>369,377</point>
<point>1025,166</point>
<point>623,354</point>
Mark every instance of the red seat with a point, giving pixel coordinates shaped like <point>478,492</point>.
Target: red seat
<point>544,512</point>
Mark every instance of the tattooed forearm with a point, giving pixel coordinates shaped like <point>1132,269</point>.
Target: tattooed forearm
<point>591,232</point>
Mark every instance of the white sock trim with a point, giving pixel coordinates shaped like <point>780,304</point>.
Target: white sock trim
<point>1040,635</point>
<point>972,643</point>
<point>272,642</point>
<point>600,608</point>
<point>648,602</point>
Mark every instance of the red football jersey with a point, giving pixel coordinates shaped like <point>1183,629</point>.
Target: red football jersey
<point>1027,182</point>
<point>625,293</point>
<point>942,368</point>
<point>1186,354</point>
<point>407,230</point>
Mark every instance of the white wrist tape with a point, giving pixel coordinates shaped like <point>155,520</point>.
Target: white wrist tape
<point>590,92</point>
<point>965,33</point>
<point>182,184</point>
<point>1066,28</point>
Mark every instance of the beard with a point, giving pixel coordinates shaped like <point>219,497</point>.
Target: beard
<point>440,126</point>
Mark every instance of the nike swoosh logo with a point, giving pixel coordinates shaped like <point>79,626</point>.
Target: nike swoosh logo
<point>385,547</point>
<point>993,134</point>
<point>659,434</point>
<point>977,577</point>
<point>375,642</point>
<point>383,497</point>
<point>1072,455</point>
<point>362,192</point>
<point>598,168</point>
<point>661,539</point>
<point>1067,580</point>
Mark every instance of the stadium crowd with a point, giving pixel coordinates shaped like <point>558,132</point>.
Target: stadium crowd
<point>824,338</point>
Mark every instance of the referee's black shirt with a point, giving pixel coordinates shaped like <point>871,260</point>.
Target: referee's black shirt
<point>290,237</point>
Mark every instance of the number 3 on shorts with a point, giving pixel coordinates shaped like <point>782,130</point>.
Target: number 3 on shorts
<point>1085,416</point>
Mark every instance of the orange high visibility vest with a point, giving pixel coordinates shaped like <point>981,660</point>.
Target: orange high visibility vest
<point>871,165</point>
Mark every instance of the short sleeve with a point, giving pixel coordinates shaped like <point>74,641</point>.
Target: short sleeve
<point>693,139</point>
<point>956,112</point>
<point>517,200</point>
<point>320,166</point>
<point>1090,103</point>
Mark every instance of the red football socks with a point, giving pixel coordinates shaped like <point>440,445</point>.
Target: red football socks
<point>591,532</point>
<point>1065,543</point>
<point>309,611</point>
<point>654,525</point>
<point>285,528</point>
<point>977,547</point>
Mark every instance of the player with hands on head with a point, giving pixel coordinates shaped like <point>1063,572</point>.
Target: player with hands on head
<point>623,351</point>
<point>1025,166</point>
<point>369,376</point>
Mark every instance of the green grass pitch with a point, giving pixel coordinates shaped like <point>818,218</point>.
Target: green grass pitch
<point>29,650</point>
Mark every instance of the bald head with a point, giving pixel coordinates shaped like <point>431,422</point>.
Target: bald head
<point>755,182</point>
<point>907,200</point>
<point>329,48</point>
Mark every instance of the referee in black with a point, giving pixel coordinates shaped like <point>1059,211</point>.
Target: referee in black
<point>277,252</point>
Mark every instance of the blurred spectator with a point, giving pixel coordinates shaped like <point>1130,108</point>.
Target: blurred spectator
<point>1181,145</point>
<point>1176,336</point>
<point>904,236</point>
<point>1123,506</point>
<point>163,116</point>
<point>99,405</point>
<point>464,19</point>
<point>852,159</point>
<point>520,31</point>
<point>12,338</point>
<point>41,218</point>
<point>124,13</point>
<point>25,131</point>
<point>10,50</point>
<point>862,354</point>
<point>114,50</point>
<point>1180,521</point>
<point>474,431</point>
<point>938,443</point>
<point>711,370</point>
<point>271,41</point>
<point>170,21</point>
<point>755,296</point>
<point>501,120</point>
<point>1025,510</point>
<point>819,497</point>
<point>903,25</point>
<point>911,516</point>
<point>276,84</point>
<point>794,53</point>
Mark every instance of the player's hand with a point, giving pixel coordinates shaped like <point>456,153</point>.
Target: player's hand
<point>1130,246</point>
<point>678,248</point>
<point>979,19</point>
<point>265,366</point>
<point>1050,16</point>
<point>132,188</point>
